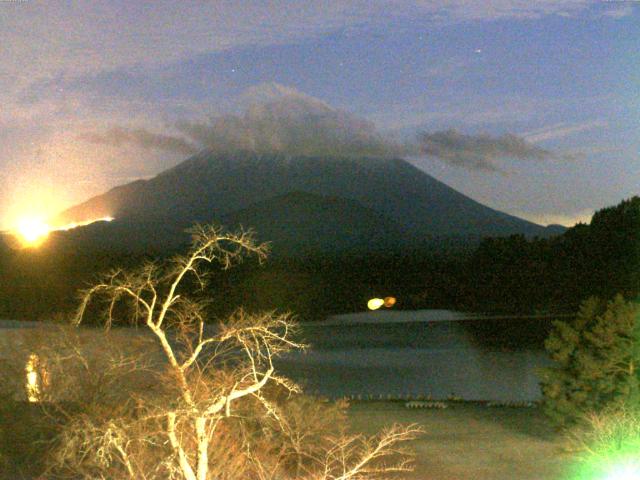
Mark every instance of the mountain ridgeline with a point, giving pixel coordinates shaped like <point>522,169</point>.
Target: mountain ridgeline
<point>301,204</point>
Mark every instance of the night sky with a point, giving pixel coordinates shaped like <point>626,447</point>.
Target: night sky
<point>532,108</point>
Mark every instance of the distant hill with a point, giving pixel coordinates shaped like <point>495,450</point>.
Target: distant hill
<point>301,203</point>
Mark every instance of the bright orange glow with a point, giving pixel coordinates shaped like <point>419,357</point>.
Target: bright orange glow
<point>33,231</point>
<point>375,303</point>
<point>389,301</point>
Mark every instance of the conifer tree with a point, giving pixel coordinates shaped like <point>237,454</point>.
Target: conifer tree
<point>596,358</point>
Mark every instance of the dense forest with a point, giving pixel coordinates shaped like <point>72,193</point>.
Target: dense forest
<point>494,275</point>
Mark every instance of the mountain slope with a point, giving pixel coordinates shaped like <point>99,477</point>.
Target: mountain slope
<point>318,224</point>
<point>210,187</point>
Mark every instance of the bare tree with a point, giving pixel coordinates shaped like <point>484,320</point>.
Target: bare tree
<point>216,407</point>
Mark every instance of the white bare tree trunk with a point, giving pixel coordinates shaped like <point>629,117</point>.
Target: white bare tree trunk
<point>203,448</point>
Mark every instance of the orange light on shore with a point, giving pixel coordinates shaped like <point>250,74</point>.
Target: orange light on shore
<point>375,303</point>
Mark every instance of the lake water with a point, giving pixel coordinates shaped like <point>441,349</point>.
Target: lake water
<point>422,353</point>
<point>415,354</point>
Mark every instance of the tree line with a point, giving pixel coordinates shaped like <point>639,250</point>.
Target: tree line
<point>510,275</point>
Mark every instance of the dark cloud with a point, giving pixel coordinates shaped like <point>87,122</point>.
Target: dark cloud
<point>480,152</point>
<point>140,137</point>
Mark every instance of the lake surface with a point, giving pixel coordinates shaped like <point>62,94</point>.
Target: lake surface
<point>422,353</point>
<point>415,354</point>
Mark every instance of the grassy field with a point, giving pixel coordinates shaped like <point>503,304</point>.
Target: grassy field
<point>470,441</point>
<point>466,441</point>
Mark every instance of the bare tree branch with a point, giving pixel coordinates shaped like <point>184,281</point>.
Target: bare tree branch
<point>214,410</point>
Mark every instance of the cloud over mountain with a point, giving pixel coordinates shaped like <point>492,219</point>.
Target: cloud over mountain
<point>141,137</point>
<point>480,152</point>
<point>278,119</point>
<point>295,124</point>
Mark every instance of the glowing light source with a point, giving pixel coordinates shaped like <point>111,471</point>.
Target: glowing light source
<point>33,379</point>
<point>389,301</point>
<point>375,303</point>
<point>32,231</point>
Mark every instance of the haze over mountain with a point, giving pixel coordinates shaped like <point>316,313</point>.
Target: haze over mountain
<point>300,202</point>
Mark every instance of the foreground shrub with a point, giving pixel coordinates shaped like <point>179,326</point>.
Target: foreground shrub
<point>608,445</point>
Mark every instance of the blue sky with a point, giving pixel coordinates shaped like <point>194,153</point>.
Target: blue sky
<point>563,76</point>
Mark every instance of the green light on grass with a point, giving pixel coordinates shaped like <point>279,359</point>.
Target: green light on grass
<point>609,469</point>
<point>609,448</point>
<point>627,471</point>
